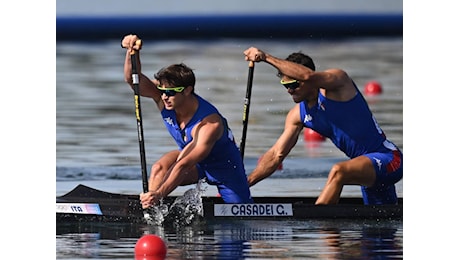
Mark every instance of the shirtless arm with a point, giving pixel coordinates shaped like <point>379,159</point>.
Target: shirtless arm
<point>205,135</point>
<point>336,81</point>
<point>275,155</point>
<point>147,87</point>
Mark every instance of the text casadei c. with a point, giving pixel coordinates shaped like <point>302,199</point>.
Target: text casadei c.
<point>253,210</point>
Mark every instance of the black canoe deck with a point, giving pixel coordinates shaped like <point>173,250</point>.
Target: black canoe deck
<point>113,207</point>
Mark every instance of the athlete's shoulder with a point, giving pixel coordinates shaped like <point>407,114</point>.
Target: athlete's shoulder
<point>294,113</point>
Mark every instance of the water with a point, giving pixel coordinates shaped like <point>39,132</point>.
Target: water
<point>96,144</point>
<point>95,123</point>
<point>310,239</point>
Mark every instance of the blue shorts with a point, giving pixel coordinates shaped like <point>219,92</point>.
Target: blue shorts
<point>232,183</point>
<point>389,169</point>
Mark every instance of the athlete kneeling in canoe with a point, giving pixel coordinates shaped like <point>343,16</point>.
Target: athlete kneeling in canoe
<point>330,103</point>
<point>207,148</point>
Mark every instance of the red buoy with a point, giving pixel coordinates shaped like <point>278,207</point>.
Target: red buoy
<point>150,247</point>
<point>373,88</point>
<point>311,135</point>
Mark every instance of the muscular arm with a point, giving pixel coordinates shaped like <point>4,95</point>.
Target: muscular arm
<point>147,87</point>
<point>334,80</point>
<point>205,135</point>
<point>270,161</point>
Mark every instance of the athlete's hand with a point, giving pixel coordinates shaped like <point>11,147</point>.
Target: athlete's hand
<point>254,54</point>
<point>148,199</point>
<point>131,42</point>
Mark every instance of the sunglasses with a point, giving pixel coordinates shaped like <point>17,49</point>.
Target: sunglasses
<point>292,84</point>
<point>170,91</point>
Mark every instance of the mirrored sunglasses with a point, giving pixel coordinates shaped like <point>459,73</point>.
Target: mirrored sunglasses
<point>170,91</point>
<point>292,84</point>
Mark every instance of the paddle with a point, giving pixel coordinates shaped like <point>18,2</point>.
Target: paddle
<point>247,103</point>
<point>137,103</point>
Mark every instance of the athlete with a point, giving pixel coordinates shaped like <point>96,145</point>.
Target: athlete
<point>330,103</point>
<point>207,148</point>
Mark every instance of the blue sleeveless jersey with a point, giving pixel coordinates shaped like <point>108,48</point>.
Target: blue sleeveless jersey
<point>224,166</point>
<point>349,125</point>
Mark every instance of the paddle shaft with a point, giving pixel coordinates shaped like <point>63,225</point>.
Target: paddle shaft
<point>140,130</point>
<point>247,103</point>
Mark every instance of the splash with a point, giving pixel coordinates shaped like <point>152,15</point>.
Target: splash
<point>155,215</point>
<point>182,212</point>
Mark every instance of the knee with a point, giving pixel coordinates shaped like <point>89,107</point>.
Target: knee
<point>156,169</point>
<point>336,174</point>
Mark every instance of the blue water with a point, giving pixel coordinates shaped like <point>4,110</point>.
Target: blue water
<point>96,144</point>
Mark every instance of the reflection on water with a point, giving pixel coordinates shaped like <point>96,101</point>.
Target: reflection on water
<point>313,239</point>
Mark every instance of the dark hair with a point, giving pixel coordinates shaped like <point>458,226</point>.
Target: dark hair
<point>300,58</point>
<point>177,75</point>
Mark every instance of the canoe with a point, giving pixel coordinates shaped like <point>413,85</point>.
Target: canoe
<point>86,204</point>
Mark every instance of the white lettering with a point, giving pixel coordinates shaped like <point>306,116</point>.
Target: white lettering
<point>78,208</point>
<point>253,210</point>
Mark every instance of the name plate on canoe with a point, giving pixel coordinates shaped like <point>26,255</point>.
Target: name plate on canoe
<point>253,210</point>
<point>78,208</point>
